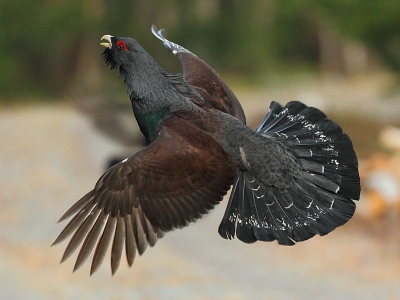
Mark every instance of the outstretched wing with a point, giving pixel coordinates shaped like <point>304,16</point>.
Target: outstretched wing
<point>204,79</point>
<point>306,185</point>
<point>167,185</point>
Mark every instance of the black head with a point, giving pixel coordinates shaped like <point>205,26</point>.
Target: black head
<point>122,51</point>
<point>148,86</point>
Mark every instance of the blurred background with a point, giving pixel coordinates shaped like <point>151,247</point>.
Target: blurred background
<point>64,115</point>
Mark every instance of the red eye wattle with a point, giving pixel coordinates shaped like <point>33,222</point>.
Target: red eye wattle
<point>122,45</point>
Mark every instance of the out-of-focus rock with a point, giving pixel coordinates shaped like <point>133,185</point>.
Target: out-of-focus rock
<point>390,138</point>
<point>381,181</point>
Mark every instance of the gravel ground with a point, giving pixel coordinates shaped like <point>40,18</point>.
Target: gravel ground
<point>51,155</point>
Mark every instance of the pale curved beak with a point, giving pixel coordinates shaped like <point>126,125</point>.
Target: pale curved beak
<point>108,43</point>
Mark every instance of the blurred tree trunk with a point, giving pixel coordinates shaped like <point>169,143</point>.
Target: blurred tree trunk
<point>357,58</point>
<point>330,45</point>
<point>82,60</point>
<point>341,56</point>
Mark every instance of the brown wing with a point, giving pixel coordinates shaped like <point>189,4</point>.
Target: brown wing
<point>204,79</point>
<point>210,85</point>
<point>167,185</point>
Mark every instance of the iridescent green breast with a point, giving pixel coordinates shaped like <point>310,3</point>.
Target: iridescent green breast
<point>149,123</point>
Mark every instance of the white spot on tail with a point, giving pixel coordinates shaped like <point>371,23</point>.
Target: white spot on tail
<point>289,206</point>
<point>336,163</point>
<point>307,125</point>
<point>283,112</point>
<point>280,134</point>
<point>309,205</point>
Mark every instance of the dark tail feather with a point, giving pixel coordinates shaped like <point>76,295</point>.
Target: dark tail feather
<point>278,115</point>
<point>316,201</point>
<point>227,228</point>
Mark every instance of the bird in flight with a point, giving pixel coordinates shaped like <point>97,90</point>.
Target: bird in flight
<point>293,177</point>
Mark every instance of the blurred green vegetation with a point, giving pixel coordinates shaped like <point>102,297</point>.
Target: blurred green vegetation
<point>49,48</point>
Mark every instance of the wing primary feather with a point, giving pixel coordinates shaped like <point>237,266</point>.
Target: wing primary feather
<point>160,34</point>
<point>80,234</point>
<point>77,206</point>
<point>118,244</point>
<point>74,223</point>
<point>130,244</point>
<point>103,244</point>
<point>141,240</point>
<point>90,240</point>
<point>160,233</point>
<point>147,229</point>
<point>151,235</point>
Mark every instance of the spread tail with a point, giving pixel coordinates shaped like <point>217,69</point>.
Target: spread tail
<point>314,200</point>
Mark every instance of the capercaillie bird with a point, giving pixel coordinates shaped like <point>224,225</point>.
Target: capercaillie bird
<point>293,177</point>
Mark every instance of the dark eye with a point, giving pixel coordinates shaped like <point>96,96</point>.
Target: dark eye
<point>122,45</point>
